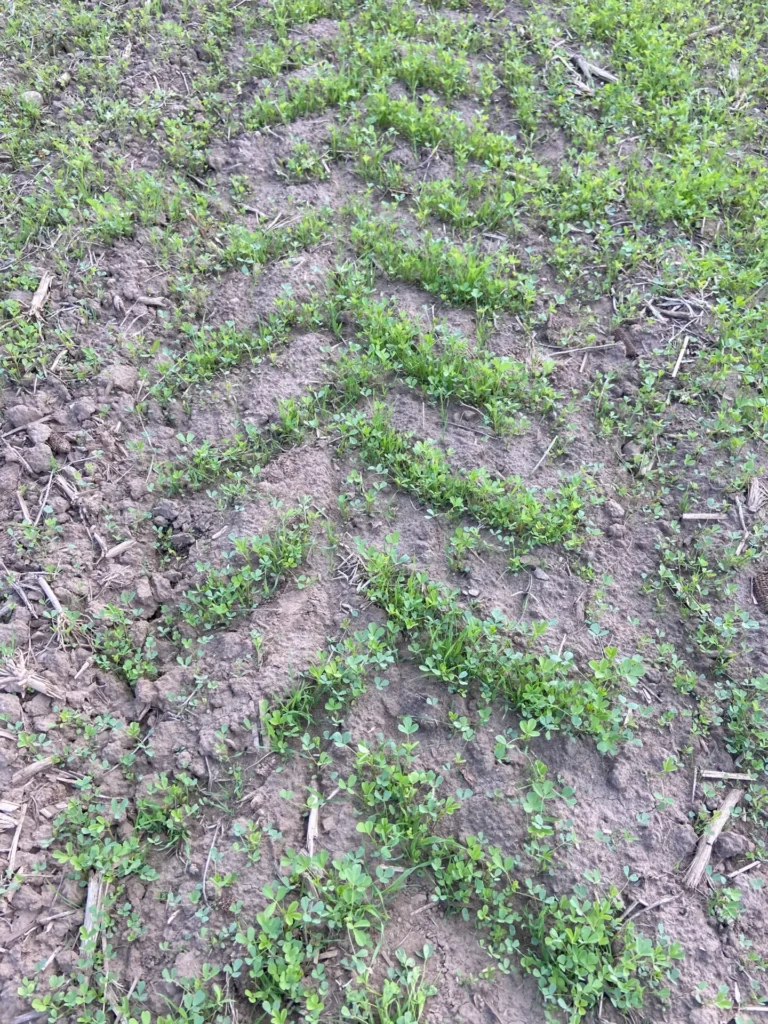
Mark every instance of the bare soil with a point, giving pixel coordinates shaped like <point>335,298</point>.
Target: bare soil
<point>81,453</point>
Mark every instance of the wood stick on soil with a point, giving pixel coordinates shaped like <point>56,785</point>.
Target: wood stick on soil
<point>44,499</point>
<point>83,668</point>
<point>208,860</point>
<point>54,602</point>
<point>747,867</point>
<point>655,312</point>
<point>757,495</point>
<point>23,931</point>
<point>590,70</point>
<point>17,674</point>
<point>736,776</point>
<point>713,30</point>
<point>100,543</point>
<point>656,904</point>
<point>550,446</point>
<point>30,771</point>
<point>18,430</point>
<point>583,87</point>
<point>745,531</point>
<point>41,294</point>
<point>715,826</point>
<point>634,905</point>
<point>29,1017</point>
<point>56,361</point>
<point>19,590</point>
<point>740,509</point>
<point>15,843</point>
<point>120,548</point>
<point>580,348</point>
<point>66,489</point>
<point>27,518</point>
<point>313,821</point>
<point>14,455</point>
<point>313,828</point>
<point>263,731</point>
<point>97,890</point>
<point>695,517</point>
<point>680,356</point>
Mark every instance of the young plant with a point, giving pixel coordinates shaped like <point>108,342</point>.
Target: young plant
<point>582,951</point>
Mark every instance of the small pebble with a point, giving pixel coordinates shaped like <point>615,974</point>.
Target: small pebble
<point>614,509</point>
<point>217,160</point>
<point>39,458</point>
<point>82,409</point>
<point>121,377</point>
<point>20,415</point>
<point>137,487</point>
<point>38,433</point>
<point>166,509</point>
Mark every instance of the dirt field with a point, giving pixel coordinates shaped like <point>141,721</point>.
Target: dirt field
<point>384,414</point>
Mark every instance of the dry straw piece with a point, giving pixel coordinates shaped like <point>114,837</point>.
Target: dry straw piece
<point>757,495</point>
<point>715,826</point>
<point>16,676</point>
